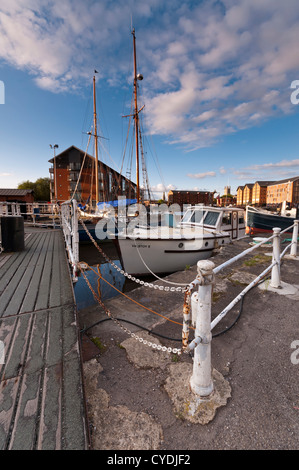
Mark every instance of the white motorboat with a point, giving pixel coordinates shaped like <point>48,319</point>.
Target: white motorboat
<point>163,249</point>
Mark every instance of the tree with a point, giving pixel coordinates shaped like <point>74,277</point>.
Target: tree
<point>41,188</point>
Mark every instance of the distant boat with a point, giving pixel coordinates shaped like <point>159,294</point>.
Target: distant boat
<point>260,220</point>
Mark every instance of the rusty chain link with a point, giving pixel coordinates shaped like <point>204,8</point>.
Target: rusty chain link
<point>159,347</point>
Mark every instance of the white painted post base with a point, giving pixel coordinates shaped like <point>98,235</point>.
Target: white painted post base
<point>201,382</point>
<point>275,273</point>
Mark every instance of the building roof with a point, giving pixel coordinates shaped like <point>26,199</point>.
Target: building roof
<point>284,181</point>
<point>66,150</point>
<point>264,183</point>
<point>61,154</point>
<point>15,192</point>
<point>184,191</point>
<point>268,183</point>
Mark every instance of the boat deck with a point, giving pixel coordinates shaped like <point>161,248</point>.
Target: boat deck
<point>42,403</point>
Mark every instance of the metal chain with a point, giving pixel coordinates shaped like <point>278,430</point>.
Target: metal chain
<point>129,276</point>
<point>159,347</point>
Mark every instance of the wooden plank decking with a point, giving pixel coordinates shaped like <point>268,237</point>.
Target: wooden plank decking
<point>42,402</point>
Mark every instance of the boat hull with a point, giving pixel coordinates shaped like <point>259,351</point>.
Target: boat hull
<point>145,256</point>
<point>94,232</point>
<point>261,222</point>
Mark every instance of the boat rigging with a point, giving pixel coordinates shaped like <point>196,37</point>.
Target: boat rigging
<point>135,115</point>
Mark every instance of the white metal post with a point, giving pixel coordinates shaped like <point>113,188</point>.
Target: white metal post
<point>275,273</point>
<point>201,380</point>
<point>294,240</point>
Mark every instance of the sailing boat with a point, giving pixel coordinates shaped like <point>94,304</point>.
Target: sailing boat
<point>82,209</point>
<point>95,210</point>
<point>156,250</point>
<point>88,212</point>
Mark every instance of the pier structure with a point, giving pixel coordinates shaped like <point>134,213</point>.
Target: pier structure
<point>42,403</point>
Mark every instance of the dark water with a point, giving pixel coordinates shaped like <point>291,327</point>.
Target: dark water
<point>90,255</point>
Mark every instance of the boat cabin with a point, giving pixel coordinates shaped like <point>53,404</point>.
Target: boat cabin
<point>216,219</point>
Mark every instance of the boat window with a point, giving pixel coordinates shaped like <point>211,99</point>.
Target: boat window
<point>187,216</point>
<point>197,217</point>
<point>227,218</point>
<point>211,218</point>
<point>193,216</point>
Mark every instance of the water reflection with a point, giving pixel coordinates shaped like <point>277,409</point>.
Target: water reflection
<point>83,294</point>
<point>91,256</point>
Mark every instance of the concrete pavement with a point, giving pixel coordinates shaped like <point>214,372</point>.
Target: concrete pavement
<point>134,394</point>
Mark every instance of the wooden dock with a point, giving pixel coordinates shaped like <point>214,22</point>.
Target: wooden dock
<point>42,404</point>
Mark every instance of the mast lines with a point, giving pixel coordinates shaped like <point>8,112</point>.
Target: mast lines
<point>96,138</point>
<point>136,117</point>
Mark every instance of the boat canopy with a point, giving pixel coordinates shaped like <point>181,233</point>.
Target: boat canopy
<point>121,202</point>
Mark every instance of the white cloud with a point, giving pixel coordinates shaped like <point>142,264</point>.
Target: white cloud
<point>242,64</point>
<point>60,43</point>
<point>282,163</point>
<point>210,68</point>
<point>268,171</point>
<point>160,187</point>
<point>201,175</point>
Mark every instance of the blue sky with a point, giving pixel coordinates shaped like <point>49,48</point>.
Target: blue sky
<point>216,88</point>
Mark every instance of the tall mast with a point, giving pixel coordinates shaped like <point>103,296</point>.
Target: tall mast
<point>96,138</point>
<point>136,117</point>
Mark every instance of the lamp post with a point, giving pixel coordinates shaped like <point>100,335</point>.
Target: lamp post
<point>55,179</point>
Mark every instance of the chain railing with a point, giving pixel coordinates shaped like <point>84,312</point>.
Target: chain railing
<point>196,305</point>
<point>201,301</point>
<point>135,336</point>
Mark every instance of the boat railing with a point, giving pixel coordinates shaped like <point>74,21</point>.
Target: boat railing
<point>69,224</point>
<point>198,304</point>
<point>34,213</point>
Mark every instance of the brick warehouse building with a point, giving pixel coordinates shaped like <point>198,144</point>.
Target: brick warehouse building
<point>190,197</point>
<point>240,192</point>
<point>259,192</point>
<point>247,194</point>
<point>283,191</point>
<point>270,193</point>
<point>65,174</point>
